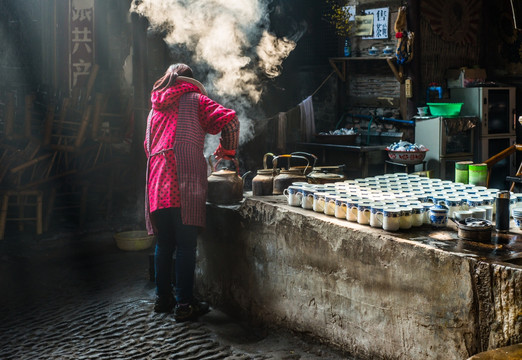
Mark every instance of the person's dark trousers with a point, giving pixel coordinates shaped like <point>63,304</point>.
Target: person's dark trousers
<point>172,236</point>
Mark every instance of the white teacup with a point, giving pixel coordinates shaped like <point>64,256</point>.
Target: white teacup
<point>406,220</point>
<point>376,214</point>
<point>462,214</point>
<point>427,206</point>
<point>318,203</point>
<point>329,204</point>
<point>340,207</point>
<point>363,212</point>
<point>479,212</point>
<point>489,211</point>
<point>391,218</point>
<point>417,215</point>
<point>351,209</point>
<point>293,195</point>
<point>307,199</point>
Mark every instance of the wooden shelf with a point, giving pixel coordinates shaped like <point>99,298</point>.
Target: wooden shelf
<point>339,65</point>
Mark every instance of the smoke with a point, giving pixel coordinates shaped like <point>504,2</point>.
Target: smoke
<point>229,40</point>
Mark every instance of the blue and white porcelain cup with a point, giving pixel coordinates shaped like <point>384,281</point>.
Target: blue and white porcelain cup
<point>319,201</point>
<point>406,219</point>
<point>340,207</point>
<point>376,215</point>
<point>454,204</point>
<point>439,215</point>
<point>363,212</point>
<point>293,195</point>
<point>417,215</point>
<point>427,206</point>
<point>391,217</point>
<point>351,209</point>
<point>329,203</point>
<point>307,200</point>
<point>474,201</point>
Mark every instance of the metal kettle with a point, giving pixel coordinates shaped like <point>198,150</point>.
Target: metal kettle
<point>225,187</point>
<point>287,176</point>
<point>262,183</point>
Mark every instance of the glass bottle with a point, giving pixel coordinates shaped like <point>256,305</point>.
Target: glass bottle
<point>347,47</point>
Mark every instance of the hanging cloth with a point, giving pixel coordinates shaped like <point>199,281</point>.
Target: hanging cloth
<point>307,119</point>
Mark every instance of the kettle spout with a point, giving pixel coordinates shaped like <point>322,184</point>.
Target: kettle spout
<point>245,174</point>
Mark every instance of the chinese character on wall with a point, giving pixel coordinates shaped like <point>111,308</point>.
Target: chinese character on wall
<point>380,23</point>
<point>81,49</point>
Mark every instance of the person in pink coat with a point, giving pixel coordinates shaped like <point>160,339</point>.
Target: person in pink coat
<point>181,115</point>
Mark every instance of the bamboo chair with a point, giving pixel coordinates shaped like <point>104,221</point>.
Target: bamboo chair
<point>67,131</point>
<point>20,202</point>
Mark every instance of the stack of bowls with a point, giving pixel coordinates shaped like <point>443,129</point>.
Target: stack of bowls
<point>517,216</point>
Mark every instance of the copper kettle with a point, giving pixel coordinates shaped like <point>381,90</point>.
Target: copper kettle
<point>225,187</point>
<point>287,176</point>
<point>262,183</point>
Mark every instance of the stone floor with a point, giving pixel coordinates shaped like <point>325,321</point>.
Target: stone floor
<point>80,297</point>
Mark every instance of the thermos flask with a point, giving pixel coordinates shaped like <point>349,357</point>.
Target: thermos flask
<point>502,217</point>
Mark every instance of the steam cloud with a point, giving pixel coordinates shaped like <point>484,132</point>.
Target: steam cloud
<point>231,38</point>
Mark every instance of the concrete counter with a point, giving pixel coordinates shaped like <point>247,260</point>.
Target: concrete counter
<point>414,294</point>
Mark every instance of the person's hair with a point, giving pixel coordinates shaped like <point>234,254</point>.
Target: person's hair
<point>170,76</point>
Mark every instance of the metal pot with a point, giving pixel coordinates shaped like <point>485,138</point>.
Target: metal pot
<point>225,187</point>
<point>286,177</point>
<point>263,182</point>
<point>326,174</point>
<point>474,233</point>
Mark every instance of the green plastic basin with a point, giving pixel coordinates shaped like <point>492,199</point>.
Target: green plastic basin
<point>445,109</point>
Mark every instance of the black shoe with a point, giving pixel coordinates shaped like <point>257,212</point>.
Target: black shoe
<point>191,311</point>
<point>164,304</point>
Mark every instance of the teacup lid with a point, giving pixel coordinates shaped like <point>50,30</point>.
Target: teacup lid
<point>439,207</point>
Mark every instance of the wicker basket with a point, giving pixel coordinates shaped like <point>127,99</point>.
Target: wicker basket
<point>133,240</point>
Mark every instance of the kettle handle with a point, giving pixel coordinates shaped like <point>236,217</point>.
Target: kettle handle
<point>289,156</point>
<point>265,166</point>
<point>307,155</point>
<point>213,167</point>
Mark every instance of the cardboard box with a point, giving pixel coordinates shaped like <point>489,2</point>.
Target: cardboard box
<point>464,77</point>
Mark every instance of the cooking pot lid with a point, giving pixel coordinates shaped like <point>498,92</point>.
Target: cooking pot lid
<point>319,175</point>
<point>473,224</point>
<point>327,168</point>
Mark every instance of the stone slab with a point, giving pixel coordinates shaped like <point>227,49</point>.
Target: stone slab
<point>421,293</point>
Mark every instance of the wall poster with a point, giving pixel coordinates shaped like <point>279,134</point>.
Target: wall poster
<point>380,22</point>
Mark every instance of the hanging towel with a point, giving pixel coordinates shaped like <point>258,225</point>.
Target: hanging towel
<point>307,119</point>
<point>281,132</point>
<point>293,125</point>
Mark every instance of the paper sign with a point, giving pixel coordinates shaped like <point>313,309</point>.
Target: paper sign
<point>380,23</point>
<point>363,25</point>
<point>350,9</point>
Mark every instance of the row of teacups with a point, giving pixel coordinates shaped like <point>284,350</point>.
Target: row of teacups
<point>390,214</point>
<point>453,201</point>
<point>469,196</point>
<point>332,199</point>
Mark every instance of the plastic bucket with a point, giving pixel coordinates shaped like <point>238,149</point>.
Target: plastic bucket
<point>478,174</point>
<point>462,171</point>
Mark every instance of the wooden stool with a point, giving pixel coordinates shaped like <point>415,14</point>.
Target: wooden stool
<point>21,202</point>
